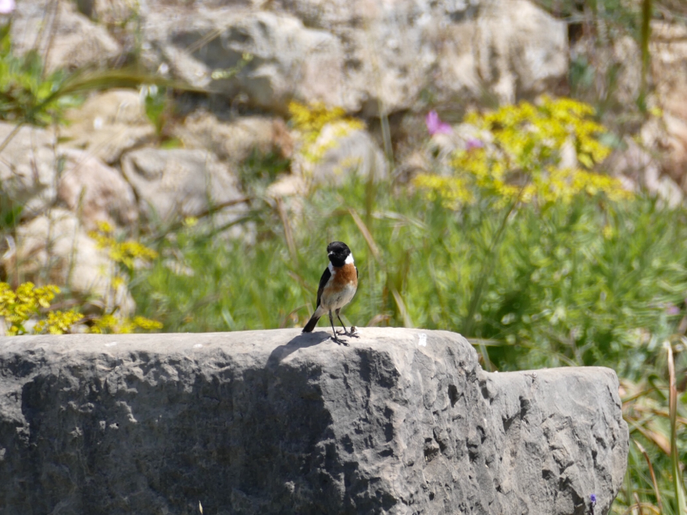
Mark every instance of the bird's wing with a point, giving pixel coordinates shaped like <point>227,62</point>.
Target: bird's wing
<point>323,281</point>
<point>356,272</point>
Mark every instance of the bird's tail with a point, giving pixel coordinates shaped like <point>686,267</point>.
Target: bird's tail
<point>311,323</point>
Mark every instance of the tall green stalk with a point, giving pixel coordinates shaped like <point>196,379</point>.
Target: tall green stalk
<point>678,485</point>
<point>645,36</point>
<point>486,272</point>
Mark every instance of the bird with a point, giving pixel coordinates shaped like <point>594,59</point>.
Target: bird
<point>338,285</point>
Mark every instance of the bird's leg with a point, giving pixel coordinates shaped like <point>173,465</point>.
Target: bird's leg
<point>347,333</point>
<point>335,337</point>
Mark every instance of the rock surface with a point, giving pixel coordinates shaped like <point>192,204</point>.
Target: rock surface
<point>109,124</point>
<point>95,191</point>
<point>170,183</point>
<point>65,38</point>
<point>27,167</point>
<point>400,421</point>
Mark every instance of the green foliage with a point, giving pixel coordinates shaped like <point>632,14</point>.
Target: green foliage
<point>26,91</point>
<point>10,212</point>
<point>30,95</point>
<point>574,283</point>
<point>656,414</point>
<point>260,170</point>
<point>155,106</point>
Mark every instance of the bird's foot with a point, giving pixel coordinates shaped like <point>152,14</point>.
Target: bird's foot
<point>339,340</point>
<point>352,333</point>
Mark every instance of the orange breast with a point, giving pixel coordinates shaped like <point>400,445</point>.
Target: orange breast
<point>346,275</point>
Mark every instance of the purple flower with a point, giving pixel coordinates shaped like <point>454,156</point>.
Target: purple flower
<point>672,309</point>
<point>593,499</point>
<point>434,124</point>
<point>474,143</point>
<point>6,6</point>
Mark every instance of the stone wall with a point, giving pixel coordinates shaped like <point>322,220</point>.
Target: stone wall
<point>401,421</point>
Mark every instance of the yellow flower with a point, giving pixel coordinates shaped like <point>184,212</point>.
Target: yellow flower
<point>58,322</point>
<point>309,120</point>
<point>190,221</point>
<point>527,141</point>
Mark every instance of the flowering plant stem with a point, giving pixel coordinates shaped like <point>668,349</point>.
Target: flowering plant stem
<point>484,274</point>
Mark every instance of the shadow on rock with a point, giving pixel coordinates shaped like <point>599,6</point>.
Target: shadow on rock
<point>302,341</point>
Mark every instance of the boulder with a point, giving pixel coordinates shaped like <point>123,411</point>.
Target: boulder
<point>234,140</point>
<point>399,421</point>
<point>175,183</point>
<point>616,66</point>
<point>368,57</point>
<point>338,151</point>
<point>395,51</point>
<point>28,167</point>
<point>65,37</point>
<point>108,124</point>
<point>639,170</point>
<point>95,191</point>
<point>668,48</point>
<point>286,60</point>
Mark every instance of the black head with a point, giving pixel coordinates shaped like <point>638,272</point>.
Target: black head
<point>338,251</point>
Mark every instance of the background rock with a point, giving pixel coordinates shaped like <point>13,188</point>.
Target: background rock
<point>511,50</point>
<point>342,150</point>
<point>396,51</point>
<point>668,48</point>
<point>287,60</point>
<point>400,421</point>
<point>234,141</point>
<point>108,124</point>
<point>388,54</point>
<point>175,183</point>
<point>65,37</point>
<point>28,167</point>
<point>95,191</point>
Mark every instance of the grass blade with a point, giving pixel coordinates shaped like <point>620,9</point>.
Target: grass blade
<point>674,456</point>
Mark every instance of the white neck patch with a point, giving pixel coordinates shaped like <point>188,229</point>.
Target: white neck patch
<point>349,259</point>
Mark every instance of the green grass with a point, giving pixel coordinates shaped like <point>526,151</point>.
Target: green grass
<point>570,283</point>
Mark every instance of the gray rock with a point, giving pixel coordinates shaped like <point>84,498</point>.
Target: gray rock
<point>28,167</point>
<point>287,60</point>
<point>109,124</point>
<point>397,50</point>
<point>234,141</point>
<point>64,37</point>
<point>401,421</point>
<point>387,54</point>
<point>95,191</point>
<point>341,151</point>
<point>176,183</point>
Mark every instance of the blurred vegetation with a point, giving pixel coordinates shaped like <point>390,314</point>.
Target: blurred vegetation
<point>26,92</point>
<point>28,309</point>
<point>539,265</point>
